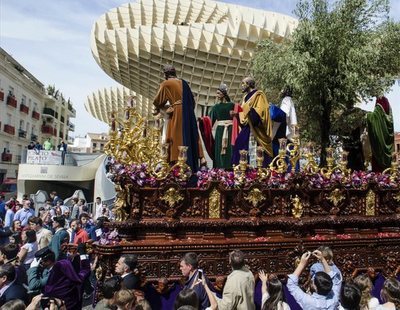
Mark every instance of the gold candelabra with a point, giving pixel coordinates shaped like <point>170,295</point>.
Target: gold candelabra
<point>184,171</point>
<point>240,170</point>
<point>327,171</point>
<point>394,168</point>
<point>293,148</point>
<point>279,164</point>
<point>311,166</point>
<point>342,166</point>
<point>262,172</point>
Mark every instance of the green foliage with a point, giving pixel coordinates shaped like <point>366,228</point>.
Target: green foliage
<point>341,52</point>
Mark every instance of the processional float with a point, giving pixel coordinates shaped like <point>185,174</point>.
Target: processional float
<point>272,213</point>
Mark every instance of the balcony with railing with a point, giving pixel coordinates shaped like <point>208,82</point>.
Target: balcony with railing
<point>9,129</point>
<point>35,115</point>
<point>6,157</point>
<point>1,95</point>
<point>46,129</point>
<point>51,112</point>
<point>11,101</point>
<point>21,133</point>
<point>24,108</point>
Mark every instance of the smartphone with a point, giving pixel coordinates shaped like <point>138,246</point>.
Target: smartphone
<point>200,274</point>
<point>45,302</point>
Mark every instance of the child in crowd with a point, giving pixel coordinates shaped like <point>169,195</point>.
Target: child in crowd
<point>318,266</point>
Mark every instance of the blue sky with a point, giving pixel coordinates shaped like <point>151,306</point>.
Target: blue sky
<point>51,39</point>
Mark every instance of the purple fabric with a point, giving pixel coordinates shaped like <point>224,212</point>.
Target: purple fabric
<point>242,143</point>
<point>378,284</point>
<point>258,295</point>
<point>65,283</point>
<point>290,300</point>
<point>163,301</point>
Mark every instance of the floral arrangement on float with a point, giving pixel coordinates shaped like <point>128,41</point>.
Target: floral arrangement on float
<point>141,176</point>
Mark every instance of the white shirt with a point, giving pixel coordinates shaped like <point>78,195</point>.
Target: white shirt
<point>287,106</point>
<point>98,209</point>
<point>281,304</point>
<point>31,249</point>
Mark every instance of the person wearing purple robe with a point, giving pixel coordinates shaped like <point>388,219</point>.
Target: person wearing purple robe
<point>59,279</point>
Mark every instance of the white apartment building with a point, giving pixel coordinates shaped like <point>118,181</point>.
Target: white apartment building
<point>91,143</point>
<point>27,114</point>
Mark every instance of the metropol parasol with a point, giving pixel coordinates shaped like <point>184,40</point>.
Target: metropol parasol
<point>208,42</point>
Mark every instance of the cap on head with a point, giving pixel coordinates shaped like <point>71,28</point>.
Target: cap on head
<point>44,253</point>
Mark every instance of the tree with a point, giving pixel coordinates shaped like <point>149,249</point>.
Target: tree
<point>340,53</point>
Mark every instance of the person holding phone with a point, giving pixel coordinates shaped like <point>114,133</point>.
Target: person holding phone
<point>325,284</point>
<point>189,268</point>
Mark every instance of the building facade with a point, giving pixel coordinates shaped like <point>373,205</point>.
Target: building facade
<point>209,43</point>
<point>24,114</point>
<point>91,143</point>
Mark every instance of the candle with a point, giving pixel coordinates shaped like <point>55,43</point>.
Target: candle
<point>282,144</point>
<point>260,152</point>
<point>329,152</point>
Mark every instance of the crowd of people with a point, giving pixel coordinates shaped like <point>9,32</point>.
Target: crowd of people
<point>33,254</point>
<point>38,272</point>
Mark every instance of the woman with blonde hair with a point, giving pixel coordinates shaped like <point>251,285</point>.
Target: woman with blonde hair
<point>125,299</point>
<point>365,284</point>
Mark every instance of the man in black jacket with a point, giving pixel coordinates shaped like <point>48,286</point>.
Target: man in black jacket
<point>9,289</point>
<point>125,267</point>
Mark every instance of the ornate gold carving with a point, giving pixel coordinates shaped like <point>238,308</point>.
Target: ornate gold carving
<point>172,197</point>
<point>370,203</point>
<point>311,166</point>
<point>279,164</point>
<point>327,171</point>
<point>393,170</point>
<point>297,210</point>
<point>397,197</point>
<point>255,197</point>
<point>120,203</point>
<point>99,273</point>
<point>214,204</point>
<point>336,197</point>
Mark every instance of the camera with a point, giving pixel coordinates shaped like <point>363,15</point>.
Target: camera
<point>200,274</point>
<point>45,302</point>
